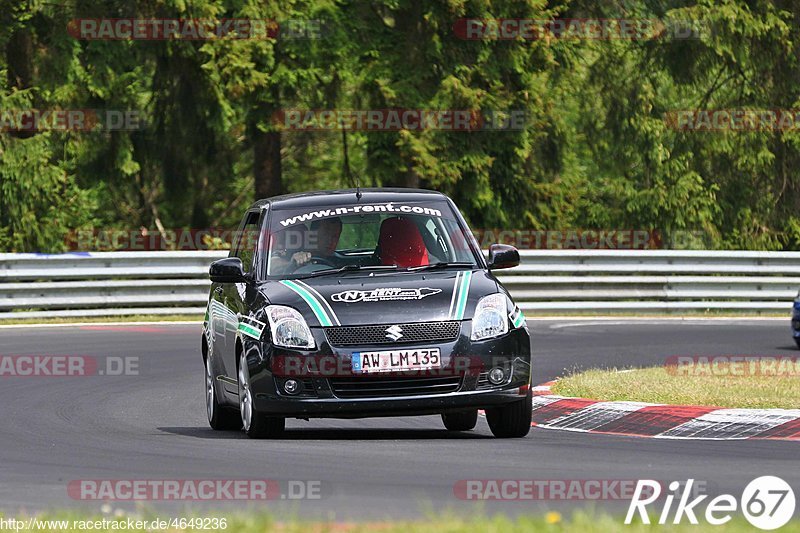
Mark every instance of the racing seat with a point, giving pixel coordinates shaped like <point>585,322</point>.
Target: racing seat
<point>400,243</point>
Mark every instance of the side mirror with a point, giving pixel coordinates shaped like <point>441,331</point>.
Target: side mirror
<point>228,270</point>
<point>502,256</point>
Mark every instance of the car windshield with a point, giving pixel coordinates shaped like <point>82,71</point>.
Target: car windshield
<point>382,236</point>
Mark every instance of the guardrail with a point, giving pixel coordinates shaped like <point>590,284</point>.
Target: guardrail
<point>654,280</point>
<point>547,281</point>
<point>104,284</point>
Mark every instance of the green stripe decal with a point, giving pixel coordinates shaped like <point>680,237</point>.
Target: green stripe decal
<point>463,293</point>
<point>519,320</point>
<point>255,324</point>
<point>249,331</point>
<point>312,302</point>
<point>320,299</point>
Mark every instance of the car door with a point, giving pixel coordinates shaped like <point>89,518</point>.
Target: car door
<point>234,294</point>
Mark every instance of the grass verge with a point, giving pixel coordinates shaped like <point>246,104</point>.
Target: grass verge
<point>743,385</point>
<point>102,319</point>
<point>552,522</point>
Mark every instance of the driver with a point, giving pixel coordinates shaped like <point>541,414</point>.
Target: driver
<point>321,242</point>
<point>327,232</point>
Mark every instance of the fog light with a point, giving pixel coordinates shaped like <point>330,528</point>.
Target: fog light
<point>497,376</point>
<point>291,386</point>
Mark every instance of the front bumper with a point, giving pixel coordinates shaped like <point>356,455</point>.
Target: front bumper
<point>461,384</point>
<point>386,406</point>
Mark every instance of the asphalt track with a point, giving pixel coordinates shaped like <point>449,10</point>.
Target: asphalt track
<point>153,426</point>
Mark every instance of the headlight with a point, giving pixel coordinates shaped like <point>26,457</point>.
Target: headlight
<point>490,317</point>
<point>289,328</point>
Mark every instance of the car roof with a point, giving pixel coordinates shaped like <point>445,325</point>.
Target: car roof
<point>341,196</point>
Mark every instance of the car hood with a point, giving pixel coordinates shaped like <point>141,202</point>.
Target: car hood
<point>359,298</point>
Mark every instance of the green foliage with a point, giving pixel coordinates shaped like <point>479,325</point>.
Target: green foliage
<point>39,200</point>
<point>595,151</point>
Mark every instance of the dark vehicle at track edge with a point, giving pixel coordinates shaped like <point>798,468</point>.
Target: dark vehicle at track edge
<point>363,303</point>
<point>796,320</point>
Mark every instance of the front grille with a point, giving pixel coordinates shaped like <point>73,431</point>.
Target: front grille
<point>411,333</point>
<point>392,386</point>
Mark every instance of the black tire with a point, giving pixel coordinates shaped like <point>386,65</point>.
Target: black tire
<point>220,417</point>
<point>266,427</point>
<point>797,341</point>
<point>256,425</point>
<point>461,421</point>
<point>512,420</point>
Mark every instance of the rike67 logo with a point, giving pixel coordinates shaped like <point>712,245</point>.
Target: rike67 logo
<point>768,502</point>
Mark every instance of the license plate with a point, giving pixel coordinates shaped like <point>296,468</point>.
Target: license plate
<point>396,360</point>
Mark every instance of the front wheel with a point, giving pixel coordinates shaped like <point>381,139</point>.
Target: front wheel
<point>220,417</point>
<point>255,424</point>
<point>462,421</point>
<point>797,341</point>
<point>512,420</point>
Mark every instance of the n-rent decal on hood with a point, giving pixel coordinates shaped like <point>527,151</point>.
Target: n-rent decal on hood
<point>383,294</point>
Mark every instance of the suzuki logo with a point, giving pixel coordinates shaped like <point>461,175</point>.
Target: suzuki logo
<point>394,332</point>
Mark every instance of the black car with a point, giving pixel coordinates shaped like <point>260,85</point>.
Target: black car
<point>363,303</point>
<point>796,320</point>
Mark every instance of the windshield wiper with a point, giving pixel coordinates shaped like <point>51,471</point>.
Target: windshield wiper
<point>349,268</point>
<point>442,264</point>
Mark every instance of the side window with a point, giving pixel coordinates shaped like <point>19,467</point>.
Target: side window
<point>247,241</point>
<point>434,240</point>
